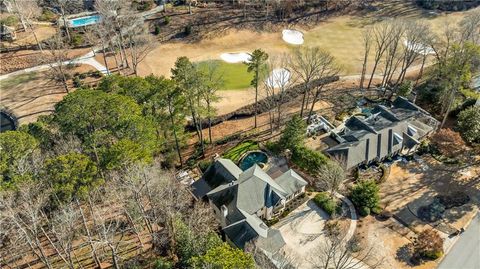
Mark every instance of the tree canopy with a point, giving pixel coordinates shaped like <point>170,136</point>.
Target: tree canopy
<point>16,147</point>
<point>110,126</point>
<point>469,124</point>
<point>71,176</point>
<point>226,257</point>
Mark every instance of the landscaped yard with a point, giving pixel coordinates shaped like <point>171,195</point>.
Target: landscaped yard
<point>235,75</point>
<point>236,152</point>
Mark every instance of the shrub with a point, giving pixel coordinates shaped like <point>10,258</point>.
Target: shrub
<point>167,20</point>
<point>157,30</point>
<point>429,245</point>
<point>308,160</point>
<point>47,15</point>
<point>469,124</point>
<point>188,29</point>
<point>376,210</point>
<point>96,74</point>
<point>327,203</point>
<point>364,211</point>
<point>9,21</point>
<point>77,40</point>
<point>82,75</point>
<point>448,142</point>
<point>77,83</point>
<point>203,165</point>
<point>365,195</point>
<point>162,264</point>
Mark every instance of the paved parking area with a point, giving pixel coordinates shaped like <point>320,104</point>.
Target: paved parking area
<point>302,231</point>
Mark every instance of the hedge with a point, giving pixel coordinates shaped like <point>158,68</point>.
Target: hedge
<point>327,203</point>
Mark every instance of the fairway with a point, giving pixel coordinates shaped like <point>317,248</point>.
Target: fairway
<point>235,76</point>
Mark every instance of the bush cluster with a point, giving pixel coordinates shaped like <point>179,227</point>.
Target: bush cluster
<point>365,196</point>
<point>327,203</point>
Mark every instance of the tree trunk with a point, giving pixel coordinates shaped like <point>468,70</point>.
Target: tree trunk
<point>62,10</point>
<point>85,226</point>
<point>256,96</point>
<point>447,111</point>
<point>303,99</point>
<point>421,70</point>
<point>175,136</point>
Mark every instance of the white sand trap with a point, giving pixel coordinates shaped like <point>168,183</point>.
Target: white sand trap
<point>278,78</point>
<point>419,48</point>
<point>235,57</point>
<point>292,37</point>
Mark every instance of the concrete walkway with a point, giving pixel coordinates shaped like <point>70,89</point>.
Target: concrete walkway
<point>88,59</point>
<point>353,216</point>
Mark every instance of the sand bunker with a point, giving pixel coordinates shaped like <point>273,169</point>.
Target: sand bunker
<point>419,48</point>
<point>278,78</point>
<point>235,57</point>
<point>292,37</point>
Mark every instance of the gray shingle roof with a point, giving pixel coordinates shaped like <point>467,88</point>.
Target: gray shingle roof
<point>291,182</point>
<point>382,133</point>
<point>222,171</point>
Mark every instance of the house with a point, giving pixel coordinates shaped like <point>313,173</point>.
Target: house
<point>242,200</point>
<point>7,33</point>
<point>386,132</point>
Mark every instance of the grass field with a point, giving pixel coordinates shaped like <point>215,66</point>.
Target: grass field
<point>235,76</point>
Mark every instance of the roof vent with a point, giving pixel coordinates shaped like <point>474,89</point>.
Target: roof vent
<point>224,210</point>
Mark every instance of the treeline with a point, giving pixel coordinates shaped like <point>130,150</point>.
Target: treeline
<point>448,5</point>
<point>395,46</point>
<point>88,184</point>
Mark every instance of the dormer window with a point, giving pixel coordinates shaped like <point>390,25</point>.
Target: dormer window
<point>411,130</point>
<point>397,139</point>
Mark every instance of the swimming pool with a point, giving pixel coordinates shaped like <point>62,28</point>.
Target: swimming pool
<point>7,122</point>
<point>84,21</point>
<point>252,158</point>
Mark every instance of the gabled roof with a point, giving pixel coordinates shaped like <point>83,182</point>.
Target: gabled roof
<point>222,171</point>
<point>291,182</point>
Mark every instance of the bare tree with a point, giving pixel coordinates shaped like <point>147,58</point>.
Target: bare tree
<point>26,11</point>
<point>62,7</point>
<point>57,60</point>
<point>307,64</point>
<point>22,209</point>
<point>367,44</point>
<point>212,82</point>
<point>328,68</point>
<point>119,16</point>
<point>331,177</point>
<point>337,253</point>
<point>65,229</point>
<point>276,86</point>
<point>381,35</point>
<point>470,27</point>
<point>140,44</point>
<point>417,38</point>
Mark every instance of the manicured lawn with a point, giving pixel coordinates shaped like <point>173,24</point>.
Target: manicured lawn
<point>236,152</point>
<point>235,76</point>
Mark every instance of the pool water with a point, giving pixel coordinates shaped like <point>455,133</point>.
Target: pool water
<point>83,21</point>
<point>6,122</point>
<point>252,158</point>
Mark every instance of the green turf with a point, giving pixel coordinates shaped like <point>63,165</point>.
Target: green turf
<point>235,76</point>
<point>16,80</point>
<point>236,152</point>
